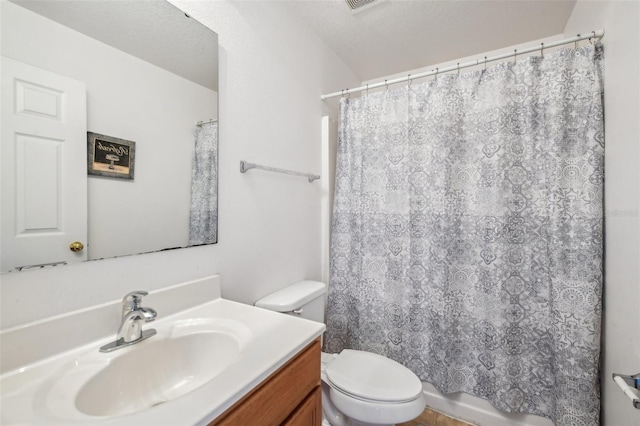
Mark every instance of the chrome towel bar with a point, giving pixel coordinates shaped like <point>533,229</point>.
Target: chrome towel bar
<point>245,166</point>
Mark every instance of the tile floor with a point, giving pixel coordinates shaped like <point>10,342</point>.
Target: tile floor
<point>434,418</point>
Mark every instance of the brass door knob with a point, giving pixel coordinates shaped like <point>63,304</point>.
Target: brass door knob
<point>76,246</point>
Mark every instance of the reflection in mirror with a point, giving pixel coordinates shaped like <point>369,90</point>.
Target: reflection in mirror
<point>143,76</point>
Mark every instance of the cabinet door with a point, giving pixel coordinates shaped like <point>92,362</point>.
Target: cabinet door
<point>309,412</point>
<point>273,401</point>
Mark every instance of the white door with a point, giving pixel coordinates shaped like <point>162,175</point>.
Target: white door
<point>44,166</point>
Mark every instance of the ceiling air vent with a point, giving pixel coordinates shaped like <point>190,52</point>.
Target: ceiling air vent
<point>357,4</point>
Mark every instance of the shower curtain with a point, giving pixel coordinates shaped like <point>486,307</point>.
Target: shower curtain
<point>467,234</point>
<point>203,220</point>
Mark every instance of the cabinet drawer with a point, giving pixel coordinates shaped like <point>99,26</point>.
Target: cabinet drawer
<point>271,402</point>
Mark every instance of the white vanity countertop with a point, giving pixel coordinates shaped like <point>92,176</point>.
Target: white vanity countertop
<point>275,338</point>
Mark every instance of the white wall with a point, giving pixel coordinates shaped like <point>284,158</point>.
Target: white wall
<point>621,349</point>
<point>129,99</point>
<point>272,73</point>
<point>328,181</point>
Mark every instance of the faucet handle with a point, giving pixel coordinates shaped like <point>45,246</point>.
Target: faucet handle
<point>131,301</point>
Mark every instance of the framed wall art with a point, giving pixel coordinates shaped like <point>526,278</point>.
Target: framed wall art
<point>110,157</point>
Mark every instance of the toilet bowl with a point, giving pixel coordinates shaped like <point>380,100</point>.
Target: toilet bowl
<point>370,389</point>
<point>358,387</point>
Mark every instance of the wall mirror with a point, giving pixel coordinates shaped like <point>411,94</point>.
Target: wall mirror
<point>110,133</point>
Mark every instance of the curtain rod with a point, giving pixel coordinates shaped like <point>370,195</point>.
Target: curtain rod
<point>598,34</point>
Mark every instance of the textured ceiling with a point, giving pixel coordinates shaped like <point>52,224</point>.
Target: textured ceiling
<point>394,36</point>
<point>156,32</point>
<point>385,38</point>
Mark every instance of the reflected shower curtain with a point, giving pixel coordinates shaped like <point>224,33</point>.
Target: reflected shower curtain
<point>203,220</point>
<point>467,232</point>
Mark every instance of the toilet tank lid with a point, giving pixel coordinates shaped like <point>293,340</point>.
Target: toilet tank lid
<point>293,296</point>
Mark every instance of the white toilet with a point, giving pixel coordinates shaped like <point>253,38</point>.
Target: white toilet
<point>358,388</point>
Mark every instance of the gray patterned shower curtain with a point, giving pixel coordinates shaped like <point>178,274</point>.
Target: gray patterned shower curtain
<point>203,217</point>
<point>467,234</point>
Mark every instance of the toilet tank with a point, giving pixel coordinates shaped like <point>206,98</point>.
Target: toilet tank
<point>305,299</point>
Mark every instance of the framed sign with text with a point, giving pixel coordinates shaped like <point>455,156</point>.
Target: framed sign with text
<point>110,157</point>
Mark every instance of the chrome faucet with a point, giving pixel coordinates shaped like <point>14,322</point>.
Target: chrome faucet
<point>133,317</point>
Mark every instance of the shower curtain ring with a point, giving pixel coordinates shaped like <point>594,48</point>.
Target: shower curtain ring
<point>437,71</point>
<point>410,80</point>
<point>515,56</point>
<point>458,68</point>
<point>367,89</point>
<point>576,46</point>
<point>386,85</point>
<point>485,62</point>
<point>542,49</point>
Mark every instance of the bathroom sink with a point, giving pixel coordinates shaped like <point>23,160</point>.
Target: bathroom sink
<point>183,356</point>
<point>204,359</point>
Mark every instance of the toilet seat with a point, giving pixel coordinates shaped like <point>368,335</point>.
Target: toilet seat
<point>373,378</point>
<point>380,413</point>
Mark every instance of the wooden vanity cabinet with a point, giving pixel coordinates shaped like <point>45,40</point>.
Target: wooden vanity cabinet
<point>291,396</point>
<point>309,413</point>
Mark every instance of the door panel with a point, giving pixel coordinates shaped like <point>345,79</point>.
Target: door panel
<point>37,182</point>
<point>44,166</point>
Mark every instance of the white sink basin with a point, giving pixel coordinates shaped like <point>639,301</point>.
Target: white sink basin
<point>183,356</point>
<point>204,359</point>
